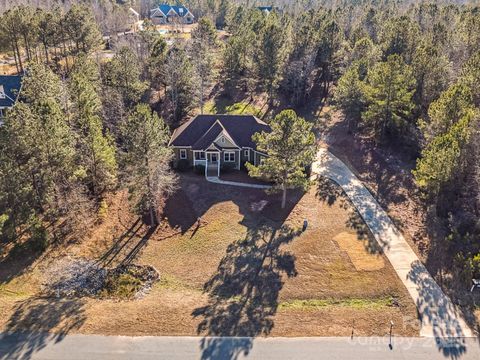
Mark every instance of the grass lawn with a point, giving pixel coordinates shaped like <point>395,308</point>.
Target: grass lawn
<point>246,269</point>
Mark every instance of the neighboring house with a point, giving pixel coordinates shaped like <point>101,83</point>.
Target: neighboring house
<point>168,14</point>
<point>218,141</point>
<point>134,20</point>
<point>9,89</point>
<point>268,9</point>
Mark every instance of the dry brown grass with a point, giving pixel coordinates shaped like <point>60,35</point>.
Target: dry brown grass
<point>359,256</point>
<point>334,283</point>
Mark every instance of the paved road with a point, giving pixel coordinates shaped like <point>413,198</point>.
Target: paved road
<point>93,347</point>
<point>439,317</point>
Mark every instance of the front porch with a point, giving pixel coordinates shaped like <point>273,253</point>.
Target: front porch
<point>212,161</point>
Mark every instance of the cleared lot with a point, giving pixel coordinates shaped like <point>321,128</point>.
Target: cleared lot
<point>245,268</point>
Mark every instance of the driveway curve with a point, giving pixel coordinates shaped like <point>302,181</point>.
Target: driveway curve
<point>438,316</point>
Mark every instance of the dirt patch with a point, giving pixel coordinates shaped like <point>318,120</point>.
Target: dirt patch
<point>360,257</point>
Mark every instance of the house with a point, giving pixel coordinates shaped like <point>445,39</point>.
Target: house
<point>171,14</point>
<point>268,9</point>
<point>134,20</point>
<point>214,142</point>
<point>9,89</point>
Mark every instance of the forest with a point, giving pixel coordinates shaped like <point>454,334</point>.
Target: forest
<point>403,74</point>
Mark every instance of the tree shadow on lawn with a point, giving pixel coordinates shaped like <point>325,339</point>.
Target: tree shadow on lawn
<point>243,292</point>
<point>195,196</point>
<point>38,321</point>
<point>329,192</point>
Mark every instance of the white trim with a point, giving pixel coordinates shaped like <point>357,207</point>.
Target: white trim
<point>182,152</point>
<point>153,14</point>
<point>225,153</point>
<point>199,152</point>
<point>199,161</point>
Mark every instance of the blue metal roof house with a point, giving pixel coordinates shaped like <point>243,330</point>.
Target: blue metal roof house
<point>171,14</point>
<point>10,86</point>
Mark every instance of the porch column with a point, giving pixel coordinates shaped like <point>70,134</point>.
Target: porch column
<point>218,165</point>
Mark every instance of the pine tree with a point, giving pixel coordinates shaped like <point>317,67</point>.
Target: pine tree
<point>431,70</point>
<point>178,77</point>
<point>270,54</point>
<point>147,156</point>
<point>470,76</point>
<point>81,29</point>
<point>453,104</point>
<point>389,90</point>
<point>122,73</point>
<point>39,137</point>
<point>443,157</point>
<point>203,41</point>
<point>350,96</point>
<point>290,147</point>
<point>96,151</point>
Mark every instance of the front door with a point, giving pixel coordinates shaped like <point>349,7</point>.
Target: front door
<point>213,158</point>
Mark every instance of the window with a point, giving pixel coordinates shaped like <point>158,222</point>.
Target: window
<point>229,156</point>
<point>222,140</point>
<point>200,155</point>
<point>246,153</point>
<point>183,153</point>
<point>2,92</point>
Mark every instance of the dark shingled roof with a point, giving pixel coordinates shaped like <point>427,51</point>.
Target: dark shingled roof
<point>208,137</point>
<point>202,130</point>
<point>11,86</point>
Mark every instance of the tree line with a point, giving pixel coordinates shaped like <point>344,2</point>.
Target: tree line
<point>48,36</point>
<point>71,139</point>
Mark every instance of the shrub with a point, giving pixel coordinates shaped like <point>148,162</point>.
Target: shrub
<point>39,237</point>
<point>183,165</point>
<point>199,169</point>
<point>122,286</point>
<point>39,240</point>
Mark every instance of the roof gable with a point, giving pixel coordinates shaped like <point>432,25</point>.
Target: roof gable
<point>224,140</point>
<point>165,9</point>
